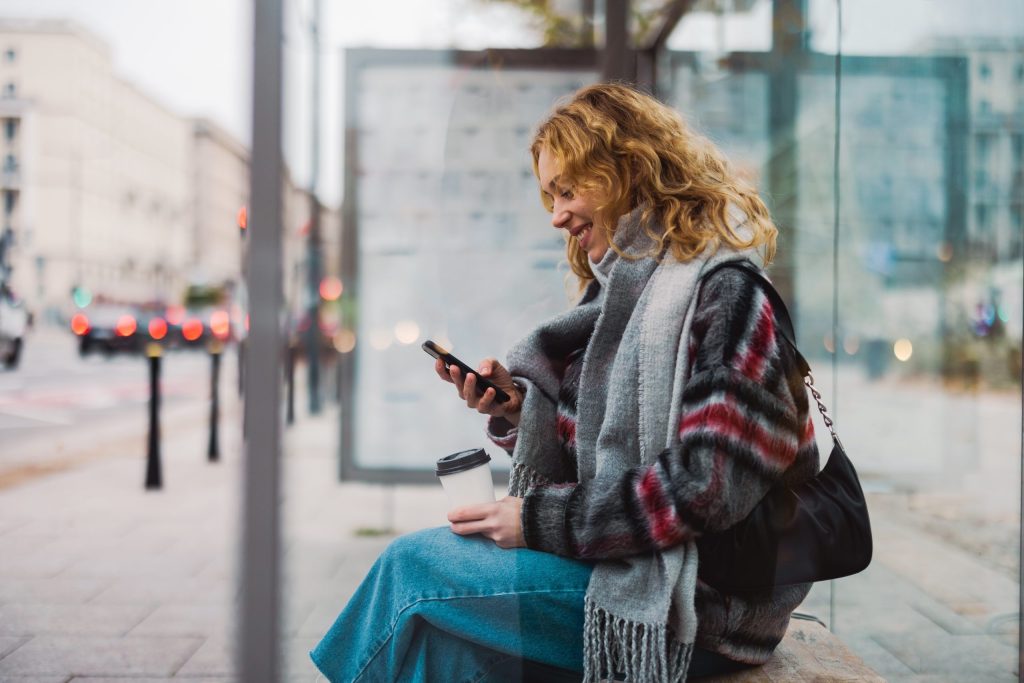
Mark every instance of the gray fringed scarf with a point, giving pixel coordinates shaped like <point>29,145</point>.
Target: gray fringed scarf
<point>639,611</point>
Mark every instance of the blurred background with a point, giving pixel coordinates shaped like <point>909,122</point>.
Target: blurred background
<point>410,212</point>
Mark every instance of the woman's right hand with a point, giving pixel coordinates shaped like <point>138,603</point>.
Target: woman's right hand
<point>484,403</point>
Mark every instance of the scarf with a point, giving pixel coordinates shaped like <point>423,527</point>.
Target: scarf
<point>639,616</point>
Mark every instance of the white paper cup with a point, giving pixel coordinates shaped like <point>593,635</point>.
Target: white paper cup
<point>466,477</point>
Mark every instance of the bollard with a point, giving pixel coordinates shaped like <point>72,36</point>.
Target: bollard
<point>289,367</point>
<point>154,479</point>
<point>241,367</point>
<point>213,452</point>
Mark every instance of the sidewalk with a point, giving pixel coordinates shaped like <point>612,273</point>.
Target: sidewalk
<point>102,581</point>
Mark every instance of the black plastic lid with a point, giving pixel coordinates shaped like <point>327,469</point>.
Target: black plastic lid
<point>462,461</point>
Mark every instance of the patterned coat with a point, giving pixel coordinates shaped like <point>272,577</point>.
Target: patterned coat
<point>744,426</point>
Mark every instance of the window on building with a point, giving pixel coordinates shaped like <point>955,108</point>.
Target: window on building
<point>10,55</point>
<point>983,147</point>
<point>10,129</point>
<point>984,71</point>
<point>1020,72</point>
<point>984,106</point>
<point>10,91</point>
<point>981,218</point>
<point>10,163</point>
<point>10,199</point>
<point>1017,141</point>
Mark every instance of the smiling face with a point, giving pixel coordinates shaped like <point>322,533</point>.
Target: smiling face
<point>571,211</point>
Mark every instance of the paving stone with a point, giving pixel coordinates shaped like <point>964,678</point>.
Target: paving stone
<point>881,661</point>
<point>33,565</point>
<point>200,621</point>
<point>9,644</point>
<point>186,590</point>
<point>296,661</point>
<point>108,566</point>
<point>215,657</point>
<point>102,679</point>
<point>50,590</point>
<point>100,620</point>
<point>979,657</point>
<point>91,656</point>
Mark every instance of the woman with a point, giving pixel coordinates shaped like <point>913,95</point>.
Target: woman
<point>660,408</point>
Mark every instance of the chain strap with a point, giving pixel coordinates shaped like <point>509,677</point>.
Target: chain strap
<point>809,381</point>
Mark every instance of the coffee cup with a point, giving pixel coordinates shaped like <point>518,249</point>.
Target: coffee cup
<point>466,477</point>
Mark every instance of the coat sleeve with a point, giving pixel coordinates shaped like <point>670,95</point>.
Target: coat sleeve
<point>743,423</point>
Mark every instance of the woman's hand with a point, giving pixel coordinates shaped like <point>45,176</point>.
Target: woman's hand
<point>484,403</point>
<point>499,521</point>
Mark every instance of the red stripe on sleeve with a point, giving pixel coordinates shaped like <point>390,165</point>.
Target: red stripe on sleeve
<point>662,521</point>
<point>760,345</point>
<point>724,419</point>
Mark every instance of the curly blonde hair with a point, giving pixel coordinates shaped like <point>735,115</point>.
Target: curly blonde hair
<point>629,150</point>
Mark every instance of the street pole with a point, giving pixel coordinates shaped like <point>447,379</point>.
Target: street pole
<point>289,369</point>
<point>259,617</point>
<point>618,62</point>
<point>213,451</point>
<point>313,260</point>
<point>154,478</point>
<point>789,49</point>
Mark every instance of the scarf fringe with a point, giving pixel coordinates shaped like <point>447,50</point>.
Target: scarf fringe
<point>522,478</point>
<point>645,653</point>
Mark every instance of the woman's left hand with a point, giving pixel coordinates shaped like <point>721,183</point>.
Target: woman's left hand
<point>499,521</point>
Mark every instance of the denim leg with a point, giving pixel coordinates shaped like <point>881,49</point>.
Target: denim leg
<point>481,603</point>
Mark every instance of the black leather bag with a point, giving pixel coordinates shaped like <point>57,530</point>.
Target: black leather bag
<point>816,531</point>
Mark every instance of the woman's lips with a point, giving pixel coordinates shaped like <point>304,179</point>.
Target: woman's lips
<point>584,236</point>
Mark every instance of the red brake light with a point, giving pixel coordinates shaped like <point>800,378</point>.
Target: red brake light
<point>192,329</point>
<point>175,314</point>
<point>125,326</point>
<point>220,323</point>
<point>157,328</point>
<point>79,324</point>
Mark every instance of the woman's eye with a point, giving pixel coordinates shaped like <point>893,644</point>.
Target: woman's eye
<point>567,194</point>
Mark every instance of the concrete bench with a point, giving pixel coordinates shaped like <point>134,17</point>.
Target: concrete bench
<point>809,652</point>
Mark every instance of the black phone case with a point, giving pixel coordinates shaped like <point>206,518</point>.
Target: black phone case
<point>483,383</point>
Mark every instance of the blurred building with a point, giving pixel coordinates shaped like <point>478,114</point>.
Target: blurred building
<point>996,105</point>
<point>106,189</point>
<point>220,188</point>
<point>96,174</point>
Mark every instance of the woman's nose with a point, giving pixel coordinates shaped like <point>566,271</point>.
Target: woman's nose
<point>559,217</point>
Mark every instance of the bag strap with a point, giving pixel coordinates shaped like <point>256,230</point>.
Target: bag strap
<point>784,327</point>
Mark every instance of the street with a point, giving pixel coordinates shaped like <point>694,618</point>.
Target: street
<point>58,407</point>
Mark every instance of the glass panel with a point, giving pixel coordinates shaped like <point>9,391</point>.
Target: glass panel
<point>446,215</point>
<point>923,370</point>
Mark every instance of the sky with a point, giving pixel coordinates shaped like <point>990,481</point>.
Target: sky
<point>194,55</point>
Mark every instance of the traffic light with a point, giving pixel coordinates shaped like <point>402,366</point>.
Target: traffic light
<point>81,296</point>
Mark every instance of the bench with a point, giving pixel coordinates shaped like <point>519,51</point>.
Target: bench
<point>809,652</point>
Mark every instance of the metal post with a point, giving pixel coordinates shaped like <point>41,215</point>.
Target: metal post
<point>241,366</point>
<point>617,59</point>
<point>289,369</point>
<point>154,478</point>
<point>315,269</point>
<point>213,451</point>
<point>789,47</point>
<point>259,616</point>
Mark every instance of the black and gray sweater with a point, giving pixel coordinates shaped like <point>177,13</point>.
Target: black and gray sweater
<point>744,426</point>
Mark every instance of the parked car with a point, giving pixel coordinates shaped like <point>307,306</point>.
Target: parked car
<point>14,323</point>
<point>110,328</point>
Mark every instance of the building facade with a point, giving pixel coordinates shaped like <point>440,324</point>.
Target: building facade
<point>106,190</point>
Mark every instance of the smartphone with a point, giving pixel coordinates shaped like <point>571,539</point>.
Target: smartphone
<point>482,383</point>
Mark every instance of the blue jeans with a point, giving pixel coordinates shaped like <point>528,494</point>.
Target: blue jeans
<point>437,607</point>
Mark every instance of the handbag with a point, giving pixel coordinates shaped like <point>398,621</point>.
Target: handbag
<point>816,531</point>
